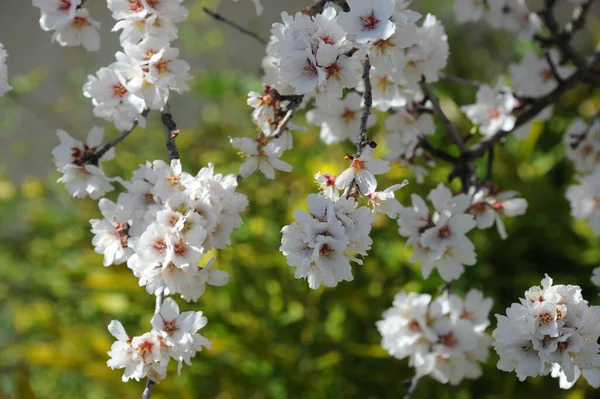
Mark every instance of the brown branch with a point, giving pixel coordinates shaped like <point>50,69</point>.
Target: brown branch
<point>92,158</point>
<point>412,385</point>
<point>461,81</point>
<point>295,102</point>
<point>234,25</point>
<point>437,110</point>
<point>436,152</point>
<point>171,132</point>
<point>530,113</point>
<point>558,37</point>
<point>147,394</point>
<point>361,140</point>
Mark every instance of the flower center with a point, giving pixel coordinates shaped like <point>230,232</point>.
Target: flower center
<point>494,113</point>
<point>444,232</point>
<point>169,327</point>
<point>80,22</point>
<point>310,69</point>
<point>369,22</point>
<point>449,340</point>
<point>160,245</point>
<point>325,250</point>
<point>545,318</point>
<point>64,5</point>
<point>348,115</point>
<point>119,90</point>
<point>136,5</point>
<point>414,326</point>
<point>546,74</point>
<point>162,66</point>
<point>333,70</point>
<point>357,164</point>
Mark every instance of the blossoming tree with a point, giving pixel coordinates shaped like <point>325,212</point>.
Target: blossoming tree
<point>351,65</point>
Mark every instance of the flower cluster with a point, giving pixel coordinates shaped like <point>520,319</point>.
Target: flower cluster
<point>439,240</point>
<point>71,23</point>
<point>164,224</point>
<point>582,144</point>
<point>493,109</point>
<point>552,330</point>
<point>174,335</point>
<point>82,172</point>
<point>444,338</point>
<point>408,125</point>
<point>512,15</point>
<point>263,153</point>
<point>4,86</point>
<point>321,243</point>
<point>147,70</point>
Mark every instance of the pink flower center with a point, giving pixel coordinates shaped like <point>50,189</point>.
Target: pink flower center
<point>162,66</point>
<point>80,22</point>
<point>179,248</point>
<point>119,90</point>
<point>414,326</point>
<point>169,327</point>
<point>136,5</point>
<point>444,232</point>
<point>348,115</point>
<point>325,250</point>
<point>145,348</point>
<point>330,180</point>
<point>160,245</point>
<point>310,69</point>
<point>546,74</point>
<point>333,70</point>
<point>494,113</point>
<point>369,22</point>
<point>449,339</point>
<point>64,5</point>
<point>545,318</point>
<point>357,164</point>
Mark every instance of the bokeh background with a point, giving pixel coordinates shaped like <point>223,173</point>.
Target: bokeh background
<point>272,336</point>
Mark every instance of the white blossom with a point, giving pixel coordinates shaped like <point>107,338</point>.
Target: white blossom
<point>553,330</point>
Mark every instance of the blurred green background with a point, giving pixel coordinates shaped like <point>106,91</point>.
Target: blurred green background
<point>272,336</point>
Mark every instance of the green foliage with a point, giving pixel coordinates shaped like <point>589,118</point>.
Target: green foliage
<point>272,336</point>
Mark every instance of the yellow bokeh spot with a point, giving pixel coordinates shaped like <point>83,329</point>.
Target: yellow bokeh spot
<point>7,190</point>
<point>111,302</point>
<point>32,188</point>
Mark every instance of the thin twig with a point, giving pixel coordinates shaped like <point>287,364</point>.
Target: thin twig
<point>578,20</point>
<point>530,113</point>
<point>437,110</point>
<point>414,382</point>
<point>240,28</point>
<point>171,131</point>
<point>461,81</point>
<point>559,38</point>
<point>361,140</point>
<point>436,152</point>
<point>490,164</point>
<point>292,107</point>
<point>147,394</point>
<point>92,158</point>
<point>553,67</point>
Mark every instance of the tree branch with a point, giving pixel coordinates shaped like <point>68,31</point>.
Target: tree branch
<point>147,394</point>
<point>461,81</point>
<point>171,131</point>
<point>361,140</point>
<point>414,382</point>
<point>234,25</point>
<point>295,102</point>
<point>92,158</point>
<point>530,113</point>
<point>437,110</point>
<point>436,152</point>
